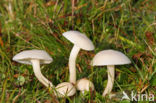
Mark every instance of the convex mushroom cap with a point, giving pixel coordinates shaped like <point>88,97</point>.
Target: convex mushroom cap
<point>84,85</point>
<point>110,57</point>
<point>79,39</point>
<point>65,89</point>
<point>26,56</point>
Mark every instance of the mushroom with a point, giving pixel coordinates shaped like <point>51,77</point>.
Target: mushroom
<point>37,57</point>
<point>80,41</point>
<point>65,89</point>
<point>110,58</point>
<point>84,85</point>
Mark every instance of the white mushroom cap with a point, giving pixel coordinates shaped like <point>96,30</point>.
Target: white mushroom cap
<point>65,89</point>
<point>79,39</point>
<point>25,56</point>
<point>110,57</point>
<point>84,85</point>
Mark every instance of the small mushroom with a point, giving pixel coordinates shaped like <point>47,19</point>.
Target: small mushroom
<point>110,58</point>
<point>84,85</point>
<point>80,41</point>
<point>37,57</point>
<point>65,89</point>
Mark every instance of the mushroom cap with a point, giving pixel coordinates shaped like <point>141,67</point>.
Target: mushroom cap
<point>26,56</point>
<point>79,39</point>
<point>110,57</point>
<point>84,85</point>
<point>65,89</point>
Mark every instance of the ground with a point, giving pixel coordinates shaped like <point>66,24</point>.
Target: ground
<point>128,26</point>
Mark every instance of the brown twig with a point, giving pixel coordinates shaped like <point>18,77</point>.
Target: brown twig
<point>73,5</point>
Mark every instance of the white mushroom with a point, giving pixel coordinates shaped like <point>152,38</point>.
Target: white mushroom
<point>37,57</point>
<point>65,89</point>
<point>80,41</point>
<point>84,85</point>
<point>110,58</point>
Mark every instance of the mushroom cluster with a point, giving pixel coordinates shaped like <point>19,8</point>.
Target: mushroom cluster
<point>110,58</point>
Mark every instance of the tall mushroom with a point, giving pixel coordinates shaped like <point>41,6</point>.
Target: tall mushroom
<point>80,41</point>
<point>110,58</point>
<point>37,57</point>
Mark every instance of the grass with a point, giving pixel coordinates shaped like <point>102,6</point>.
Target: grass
<point>128,26</point>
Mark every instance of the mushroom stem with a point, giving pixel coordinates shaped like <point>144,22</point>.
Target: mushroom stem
<point>39,75</point>
<point>72,66</point>
<point>111,74</point>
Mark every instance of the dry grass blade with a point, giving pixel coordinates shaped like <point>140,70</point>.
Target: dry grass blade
<point>73,5</point>
<point>17,96</point>
<point>54,98</point>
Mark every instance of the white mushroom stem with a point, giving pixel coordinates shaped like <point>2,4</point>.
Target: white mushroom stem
<point>39,75</point>
<point>111,74</point>
<point>72,66</point>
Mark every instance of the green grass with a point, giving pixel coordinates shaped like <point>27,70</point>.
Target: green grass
<point>128,26</point>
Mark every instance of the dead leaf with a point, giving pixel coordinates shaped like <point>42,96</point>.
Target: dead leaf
<point>50,3</point>
<point>141,56</point>
<point>48,101</point>
<point>137,56</point>
<point>1,42</point>
<point>16,75</point>
<point>150,38</point>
